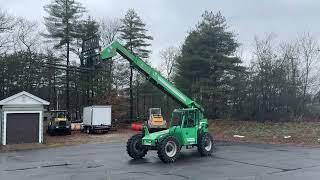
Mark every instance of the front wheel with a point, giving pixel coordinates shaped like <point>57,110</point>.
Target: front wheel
<point>169,149</point>
<point>51,131</point>
<point>135,148</point>
<point>205,144</point>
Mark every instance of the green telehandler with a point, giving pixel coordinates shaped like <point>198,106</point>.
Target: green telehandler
<point>187,127</point>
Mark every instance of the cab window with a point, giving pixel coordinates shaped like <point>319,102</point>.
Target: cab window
<point>189,120</point>
<point>176,118</point>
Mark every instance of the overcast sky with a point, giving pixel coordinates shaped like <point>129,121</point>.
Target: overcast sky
<point>169,21</point>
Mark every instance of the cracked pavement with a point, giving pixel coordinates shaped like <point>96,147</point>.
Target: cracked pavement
<point>231,161</point>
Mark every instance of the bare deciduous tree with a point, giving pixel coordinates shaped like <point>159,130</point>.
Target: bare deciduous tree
<point>109,30</point>
<point>169,56</point>
<point>309,52</point>
<point>289,53</point>
<point>264,50</point>
<point>7,23</point>
<point>26,39</point>
<point>27,35</point>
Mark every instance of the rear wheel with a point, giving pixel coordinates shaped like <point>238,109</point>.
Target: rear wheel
<point>205,144</point>
<point>88,130</point>
<point>169,149</point>
<point>68,131</point>
<point>135,148</point>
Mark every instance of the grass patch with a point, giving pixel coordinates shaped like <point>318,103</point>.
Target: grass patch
<point>267,132</point>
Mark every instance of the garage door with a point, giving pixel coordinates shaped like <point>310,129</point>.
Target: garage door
<point>22,128</point>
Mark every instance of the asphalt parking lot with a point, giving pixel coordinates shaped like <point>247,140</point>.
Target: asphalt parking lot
<point>109,161</point>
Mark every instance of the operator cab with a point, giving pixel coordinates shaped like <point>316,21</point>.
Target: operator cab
<point>184,123</point>
<point>185,118</point>
<point>155,111</point>
<point>58,113</point>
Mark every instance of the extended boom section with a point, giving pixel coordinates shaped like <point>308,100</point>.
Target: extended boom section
<point>151,74</point>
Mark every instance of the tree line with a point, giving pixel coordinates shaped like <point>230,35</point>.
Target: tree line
<point>281,82</point>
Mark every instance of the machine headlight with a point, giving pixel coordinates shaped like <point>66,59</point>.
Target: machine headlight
<point>147,142</point>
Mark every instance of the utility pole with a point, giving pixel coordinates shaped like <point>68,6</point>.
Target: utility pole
<point>130,86</point>
<point>67,79</point>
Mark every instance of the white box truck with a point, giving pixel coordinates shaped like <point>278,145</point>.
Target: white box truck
<point>96,119</point>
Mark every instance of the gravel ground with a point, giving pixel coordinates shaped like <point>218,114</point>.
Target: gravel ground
<point>82,138</point>
<point>121,135</point>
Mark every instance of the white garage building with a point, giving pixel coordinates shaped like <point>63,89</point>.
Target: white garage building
<point>21,117</point>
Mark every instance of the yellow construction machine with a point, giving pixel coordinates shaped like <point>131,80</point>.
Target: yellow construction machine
<point>156,121</point>
<point>59,123</point>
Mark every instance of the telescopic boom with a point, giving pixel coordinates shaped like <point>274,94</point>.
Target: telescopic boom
<point>151,74</point>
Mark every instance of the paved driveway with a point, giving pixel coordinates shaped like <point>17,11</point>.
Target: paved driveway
<point>110,161</point>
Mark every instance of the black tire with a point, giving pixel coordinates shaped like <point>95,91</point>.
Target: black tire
<point>51,131</point>
<point>88,130</point>
<point>205,144</point>
<point>169,149</point>
<point>69,132</point>
<point>134,147</point>
<point>93,130</point>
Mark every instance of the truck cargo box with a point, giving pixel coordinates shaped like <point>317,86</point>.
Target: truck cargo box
<point>96,118</point>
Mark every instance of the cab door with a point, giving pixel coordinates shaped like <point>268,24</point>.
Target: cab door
<point>189,128</point>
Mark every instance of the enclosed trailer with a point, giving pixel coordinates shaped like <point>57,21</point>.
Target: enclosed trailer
<point>96,119</point>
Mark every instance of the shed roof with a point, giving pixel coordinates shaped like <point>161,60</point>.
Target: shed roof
<point>23,98</point>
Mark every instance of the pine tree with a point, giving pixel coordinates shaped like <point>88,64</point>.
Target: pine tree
<point>61,24</point>
<point>206,68</point>
<point>134,35</point>
<point>89,29</point>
